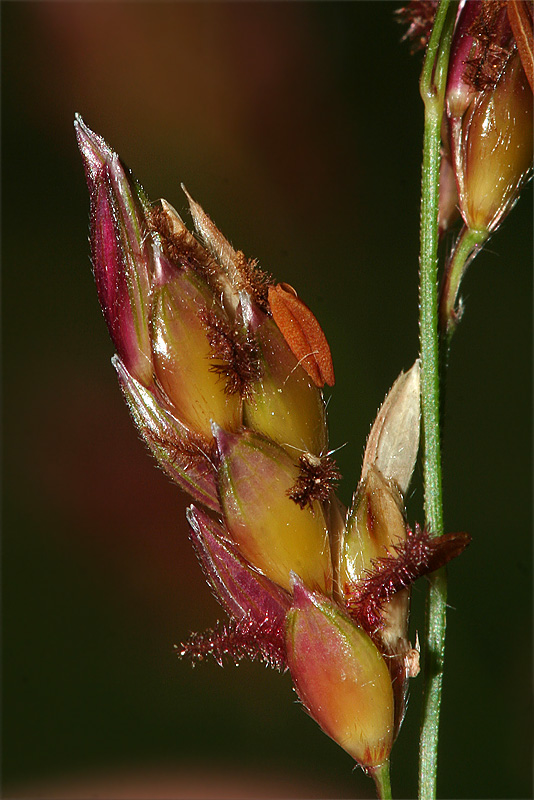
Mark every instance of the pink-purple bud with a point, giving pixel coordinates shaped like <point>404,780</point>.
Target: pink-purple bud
<point>489,113</point>
<point>120,250</point>
<point>340,677</point>
<point>495,154</point>
<point>274,533</point>
<point>240,589</point>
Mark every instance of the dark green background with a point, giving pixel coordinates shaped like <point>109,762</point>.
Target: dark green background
<point>298,128</point>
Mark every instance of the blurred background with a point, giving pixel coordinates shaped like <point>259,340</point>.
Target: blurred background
<point>298,127</point>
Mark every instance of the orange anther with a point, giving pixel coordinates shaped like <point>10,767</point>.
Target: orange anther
<point>302,332</point>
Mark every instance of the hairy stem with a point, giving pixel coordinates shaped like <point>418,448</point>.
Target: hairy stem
<point>432,87</point>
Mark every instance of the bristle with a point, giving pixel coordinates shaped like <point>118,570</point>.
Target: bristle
<point>418,16</point>
<point>420,554</point>
<point>238,355</point>
<point>484,69</point>
<point>256,281</point>
<point>238,640</point>
<point>187,452</point>
<point>317,477</point>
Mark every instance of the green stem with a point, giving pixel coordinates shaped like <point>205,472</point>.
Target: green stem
<point>432,87</point>
<point>382,781</point>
